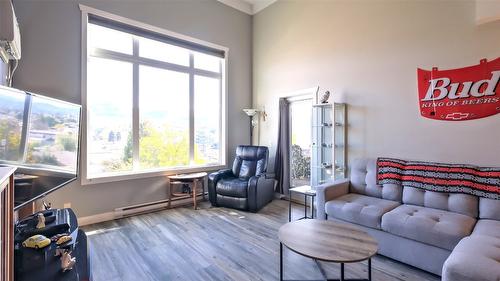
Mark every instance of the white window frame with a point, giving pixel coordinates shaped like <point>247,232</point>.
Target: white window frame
<point>128,175</point>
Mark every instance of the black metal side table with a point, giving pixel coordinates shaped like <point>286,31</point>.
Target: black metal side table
<point>307,191</point>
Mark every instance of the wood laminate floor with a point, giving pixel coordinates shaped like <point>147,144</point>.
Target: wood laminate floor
<point>214,244</point>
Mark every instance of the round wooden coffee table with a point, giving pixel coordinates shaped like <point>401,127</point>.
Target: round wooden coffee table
<point>327,241</point>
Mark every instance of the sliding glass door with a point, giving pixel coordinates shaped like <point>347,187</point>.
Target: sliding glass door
<point>300,138</point>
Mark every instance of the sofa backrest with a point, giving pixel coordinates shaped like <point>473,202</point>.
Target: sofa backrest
<point>489,209</point>
<point>364,181</point>
<point>454,202</point>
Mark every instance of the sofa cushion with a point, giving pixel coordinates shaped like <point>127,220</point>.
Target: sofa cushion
<point>454,202</point>
<point>487,228</point>
<point>232,187</point>
<point>474,258</point>
<point>364,181</point>
<point>489,209</point>
<point>431,226</point>
<point>359,209</point>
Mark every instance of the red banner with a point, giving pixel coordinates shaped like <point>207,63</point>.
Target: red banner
<point>460,94</point>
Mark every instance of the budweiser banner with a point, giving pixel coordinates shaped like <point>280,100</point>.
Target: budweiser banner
<point>460,94</point>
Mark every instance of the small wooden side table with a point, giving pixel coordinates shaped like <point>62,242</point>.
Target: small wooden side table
<point>187,178</point>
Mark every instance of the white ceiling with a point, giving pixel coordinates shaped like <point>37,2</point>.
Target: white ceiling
<point>250,7</point>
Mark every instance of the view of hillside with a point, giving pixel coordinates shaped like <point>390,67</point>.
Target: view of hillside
<point>52,132</point>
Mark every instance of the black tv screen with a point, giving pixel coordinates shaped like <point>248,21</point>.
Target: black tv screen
<point>40,136</point>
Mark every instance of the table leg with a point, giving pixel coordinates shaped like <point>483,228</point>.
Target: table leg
<point>305,206</point>
<point>195,186</point>
<point>312,207</point>
<point>289,206</point>
<point>203,188</point>
<point>169,190</point>
<point>342,272</point>
<point>320,268</point>
<point>281,261</point>
<point>370,269</point>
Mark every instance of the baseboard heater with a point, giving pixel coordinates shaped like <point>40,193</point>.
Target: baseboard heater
<point>151,206</point>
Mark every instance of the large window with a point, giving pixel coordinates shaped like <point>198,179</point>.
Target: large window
<point>154,102</point>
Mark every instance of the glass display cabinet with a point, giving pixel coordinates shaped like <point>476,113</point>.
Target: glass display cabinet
<point>329,135</point>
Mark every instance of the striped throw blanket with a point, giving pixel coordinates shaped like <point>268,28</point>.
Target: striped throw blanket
<point>468,179</point>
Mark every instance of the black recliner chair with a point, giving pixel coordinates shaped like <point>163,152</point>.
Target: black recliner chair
<point>246,186</point>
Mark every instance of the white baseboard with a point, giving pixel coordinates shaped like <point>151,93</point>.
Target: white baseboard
<point>108,216</point>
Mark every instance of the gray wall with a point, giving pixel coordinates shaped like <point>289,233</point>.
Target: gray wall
<point>3,73</point>
<point>369,52</point>
<point>51,65</point>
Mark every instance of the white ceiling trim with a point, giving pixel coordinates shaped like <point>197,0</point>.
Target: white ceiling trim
<point>250,7</point>
<point>259,5</point>
<point>239,5</point>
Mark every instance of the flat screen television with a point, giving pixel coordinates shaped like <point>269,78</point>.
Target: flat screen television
<point>40,136</point>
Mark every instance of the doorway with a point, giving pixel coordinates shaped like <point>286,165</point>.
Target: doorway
<point>300,140</point>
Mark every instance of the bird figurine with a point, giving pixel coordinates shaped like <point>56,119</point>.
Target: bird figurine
<point>41,221</point>
<point>325,97</point>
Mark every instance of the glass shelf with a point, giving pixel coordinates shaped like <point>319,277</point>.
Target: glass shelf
<point>328,156</point>
<point>324,145</point>
<point>337,168</point>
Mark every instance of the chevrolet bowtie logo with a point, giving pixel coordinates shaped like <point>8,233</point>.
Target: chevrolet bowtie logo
<point>457,116</point>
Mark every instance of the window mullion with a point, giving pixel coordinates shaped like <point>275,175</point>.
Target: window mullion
<point>23,144</point>
<point>191,108</point>
<point>221,122</point>
<point>135,108</point>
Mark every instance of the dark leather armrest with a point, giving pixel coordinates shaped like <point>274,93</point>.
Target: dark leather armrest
<point>213,178</point>
<point>260,191</point>
<point>268,175</point>
<point>216,176</point>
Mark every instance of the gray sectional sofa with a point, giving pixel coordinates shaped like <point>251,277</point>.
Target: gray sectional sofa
<point>453,235</point>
